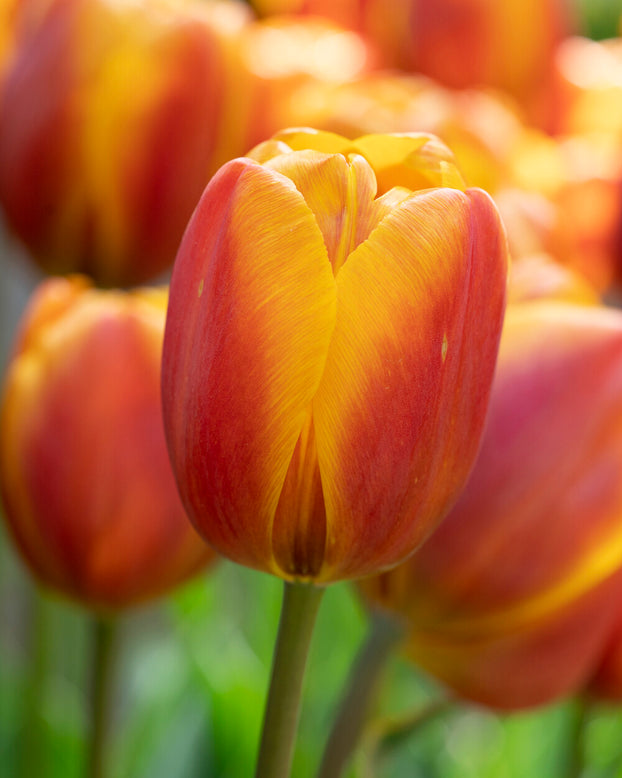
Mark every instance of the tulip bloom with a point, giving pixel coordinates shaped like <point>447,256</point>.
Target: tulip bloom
<point>460,43</point>
<point>509,46</point>
<point>590,77</point>
<point>512,599</point>
<point>538,276</point>
<point>87,487</point>
<point>331,337</point>
<point>134,112</point>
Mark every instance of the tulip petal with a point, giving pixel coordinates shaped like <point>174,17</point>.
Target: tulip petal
<point>254,284</point>
<point>415,161</point>
<point>559,370</point>
<point>400,409</point>
<point>340,192</point>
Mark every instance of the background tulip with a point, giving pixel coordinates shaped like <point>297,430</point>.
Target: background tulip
<point>511,601</point>
<point>133,113</point>
<point>331,338</point>
<point>460,43</point>
<point>88,492</point>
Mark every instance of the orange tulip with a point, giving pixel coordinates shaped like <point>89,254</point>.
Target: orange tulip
<point>287,56</point>
<point>460,43</point>
<point>590,77</point>
<point>510,46</point>
<point>114,115</point>
<point>87,487</point>
<point>331,337</point>
<point>512,599</point>
<point>538,276</point>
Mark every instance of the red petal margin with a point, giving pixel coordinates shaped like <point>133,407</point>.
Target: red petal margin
<point>251,313</point>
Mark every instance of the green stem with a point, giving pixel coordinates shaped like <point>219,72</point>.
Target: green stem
<point>103,659</point>
<point>391,732</point>
<point>32,737</point>
<point>580,714</point>
<point>298,614</point>
<point>384,633</point>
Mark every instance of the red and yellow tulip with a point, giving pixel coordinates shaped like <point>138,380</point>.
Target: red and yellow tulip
<point>331,337</point>
<point>512,599</point>
<point>87,487</point>
<point>114,115</point>
<point>460,43</point>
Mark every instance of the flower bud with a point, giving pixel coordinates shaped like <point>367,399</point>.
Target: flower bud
<point>331,338</point>
<point>87,487</point>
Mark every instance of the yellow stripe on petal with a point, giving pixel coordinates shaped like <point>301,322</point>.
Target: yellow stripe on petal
<point>401,405</point>
<point>238,388</point>
<point>592,570</point>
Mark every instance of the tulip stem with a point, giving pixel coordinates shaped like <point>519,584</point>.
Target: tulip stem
<point>580,715</point>
<point>104,634</point>
<point>298,615</point>
<point>384,633</point>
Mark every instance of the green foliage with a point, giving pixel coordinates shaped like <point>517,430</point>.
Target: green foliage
<point>190,682</point>
<point>599,19</point>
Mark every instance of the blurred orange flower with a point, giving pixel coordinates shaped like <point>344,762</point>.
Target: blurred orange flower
<point>87,486</point>
<point>460,43</point>
<point>512,599</point>
<point>113,117</point>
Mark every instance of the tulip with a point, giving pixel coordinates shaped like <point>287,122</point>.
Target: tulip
<point>590,77</point>
<point>331,337</point>
<point>114,115</point>
<point>510,46</point>
<point>511,601</point>
<point>581,177</point>
<point>286,57</point>
<point>87,487</point>
<point>538,276</point>
<point>460,43</point>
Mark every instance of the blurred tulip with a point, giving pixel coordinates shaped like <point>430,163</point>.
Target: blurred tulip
<point>590,76</point>
<point>581,177</point>
<point>385,26</point>
<point>330,343</point>
<point>87,487</point>
<point>114,115</point>
<point>460,43</point>
<point>285,56</point>
<point>509,46</point>
<point>511,600</point>
<point>539,276</point>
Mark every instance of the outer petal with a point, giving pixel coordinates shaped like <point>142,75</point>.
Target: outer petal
<point>399,413</point>
<point>251,313</point>
<point>524,667</point>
